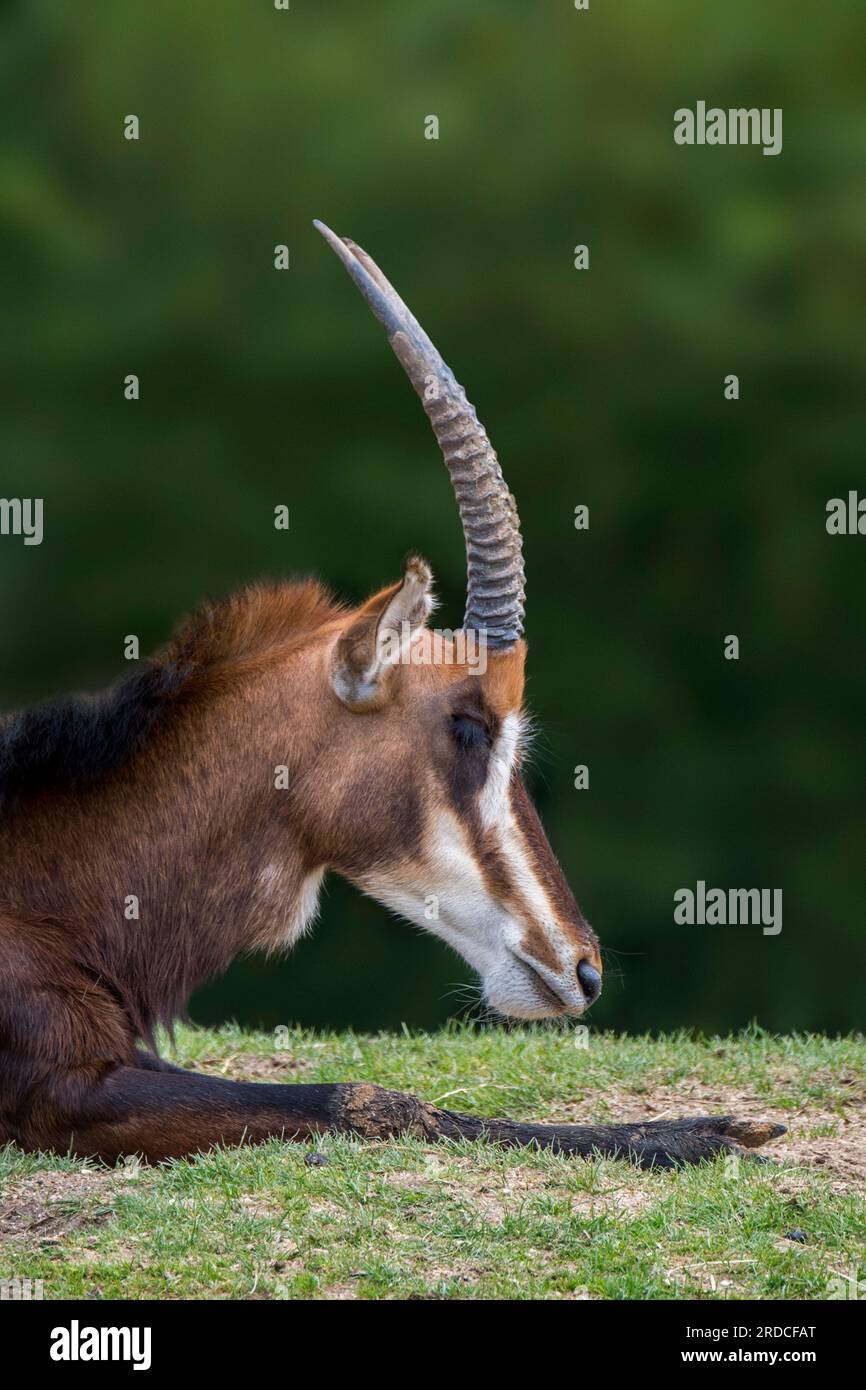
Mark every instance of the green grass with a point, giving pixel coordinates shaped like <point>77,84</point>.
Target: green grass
<point>401,1219</point>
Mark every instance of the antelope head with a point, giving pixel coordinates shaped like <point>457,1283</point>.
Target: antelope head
<point>426,809</point>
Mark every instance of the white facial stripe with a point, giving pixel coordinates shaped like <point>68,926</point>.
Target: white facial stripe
<point>495,809</point>
<point>450,898</point>
<point>447,894</point>
<point>526,880</point>
<point>503,755</point>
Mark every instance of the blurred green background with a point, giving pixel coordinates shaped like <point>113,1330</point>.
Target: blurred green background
<point>602,387</point>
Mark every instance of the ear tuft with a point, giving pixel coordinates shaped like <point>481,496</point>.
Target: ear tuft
<point>417,585</point>
<point>379,634</point>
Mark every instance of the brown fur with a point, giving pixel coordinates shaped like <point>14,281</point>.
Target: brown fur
<point>192,825</point>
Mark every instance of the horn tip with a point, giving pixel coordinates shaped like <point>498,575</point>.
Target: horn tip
<point>324,230</point>
<point>391,313</point>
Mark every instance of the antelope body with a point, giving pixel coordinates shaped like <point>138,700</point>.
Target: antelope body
<point>277,736</point>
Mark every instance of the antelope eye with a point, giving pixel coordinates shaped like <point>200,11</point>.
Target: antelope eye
<point>470,732</point>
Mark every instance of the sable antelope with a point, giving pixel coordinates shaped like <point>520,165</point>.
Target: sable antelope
<point>401,775</point>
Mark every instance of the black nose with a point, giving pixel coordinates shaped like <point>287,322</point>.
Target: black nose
<point>590,981</point>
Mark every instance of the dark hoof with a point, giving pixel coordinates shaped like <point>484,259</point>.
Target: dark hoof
<point>675,1143</point>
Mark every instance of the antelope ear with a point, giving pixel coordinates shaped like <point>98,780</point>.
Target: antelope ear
<point>378,636</point>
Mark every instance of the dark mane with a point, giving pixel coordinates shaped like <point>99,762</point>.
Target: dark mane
<point>78,739</point>
<point>74,741</point>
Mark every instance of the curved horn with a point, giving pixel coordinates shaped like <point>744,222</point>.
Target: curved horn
<point>491,528</point>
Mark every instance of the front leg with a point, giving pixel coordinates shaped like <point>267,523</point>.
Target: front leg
<point>374,1112</point>
<point>174,1114</point>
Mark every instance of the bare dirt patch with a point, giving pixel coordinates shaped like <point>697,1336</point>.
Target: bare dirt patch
<point>495,1200</point>
<point>48,1206</point>
<point>253,1066</point>
<point>696,1278</point>
<point>341,1292</point>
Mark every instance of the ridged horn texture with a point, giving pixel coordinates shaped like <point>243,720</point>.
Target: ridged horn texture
<point>491,527</point>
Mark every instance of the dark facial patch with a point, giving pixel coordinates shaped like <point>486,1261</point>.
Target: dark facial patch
<point>546,867</point>
<point>543,859</point>
<point>470,732</point>
<point>472,728</point>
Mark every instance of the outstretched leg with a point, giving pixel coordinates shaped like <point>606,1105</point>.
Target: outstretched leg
<point>374,1112</point>
<point>174,1114</point>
